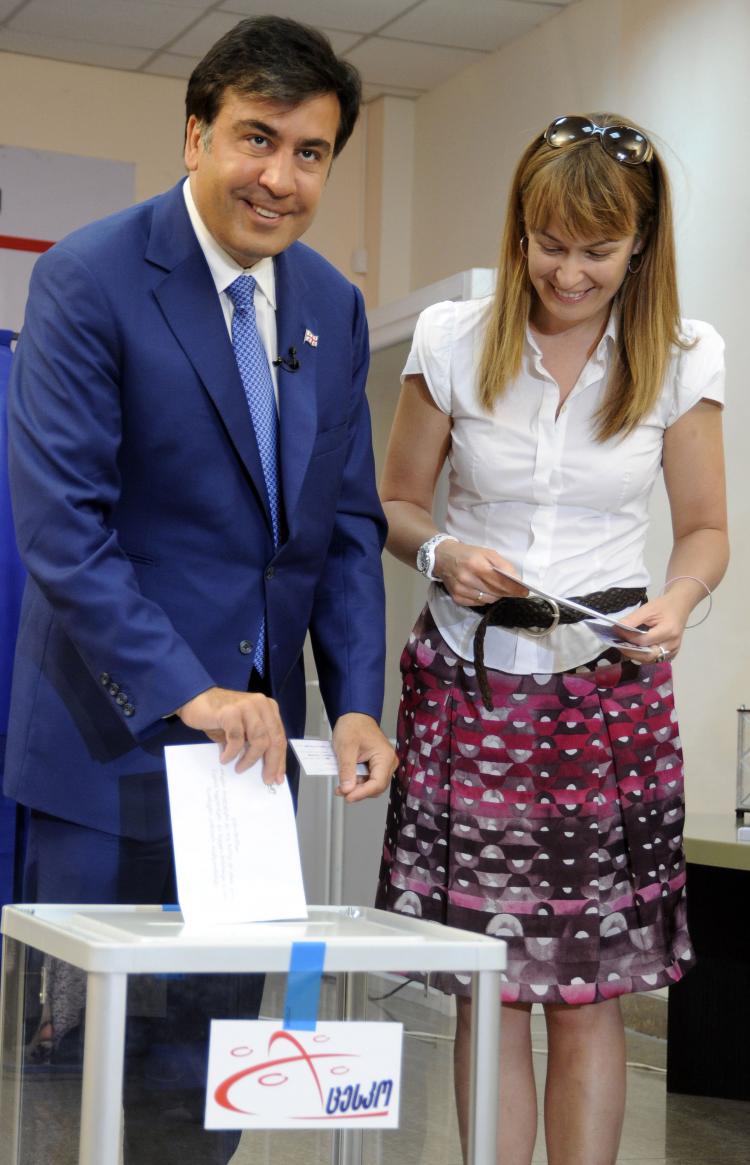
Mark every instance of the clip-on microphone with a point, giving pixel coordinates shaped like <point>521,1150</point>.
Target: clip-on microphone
<point>290,363</point>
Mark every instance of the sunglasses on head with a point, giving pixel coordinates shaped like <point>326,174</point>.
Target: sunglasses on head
<point>622,142</point>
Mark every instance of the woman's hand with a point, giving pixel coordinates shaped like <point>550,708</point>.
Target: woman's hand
<point>470,574</point>
<point>665,618</point>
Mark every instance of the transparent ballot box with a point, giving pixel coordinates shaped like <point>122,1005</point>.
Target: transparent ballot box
<point>104,1039</point>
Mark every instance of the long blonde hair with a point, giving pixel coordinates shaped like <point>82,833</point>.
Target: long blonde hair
<point>592,196</point>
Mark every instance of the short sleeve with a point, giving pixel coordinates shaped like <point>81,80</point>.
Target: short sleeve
<point>431,351</point>
<point>699,374</point>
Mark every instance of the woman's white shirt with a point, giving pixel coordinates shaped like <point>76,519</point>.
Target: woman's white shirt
<point>569,512</point>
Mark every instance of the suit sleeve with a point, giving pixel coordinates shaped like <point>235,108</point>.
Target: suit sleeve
<point>64,419</point>
<point>347,628</point>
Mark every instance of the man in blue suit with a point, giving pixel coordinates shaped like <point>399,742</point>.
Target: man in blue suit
<point>173,575</point>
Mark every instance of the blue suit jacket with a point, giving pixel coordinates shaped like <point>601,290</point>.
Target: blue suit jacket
<point>11,588</point>
<point>11,570</point>
<point>142,517</point>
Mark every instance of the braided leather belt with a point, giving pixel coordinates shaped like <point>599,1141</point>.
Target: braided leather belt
<point>539,613</point>
<point>540,616</point>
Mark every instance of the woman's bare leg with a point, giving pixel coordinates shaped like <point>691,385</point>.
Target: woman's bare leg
<point>518,1110</point>
<point>584,1100</point>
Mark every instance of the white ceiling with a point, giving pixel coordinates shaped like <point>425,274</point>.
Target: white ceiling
<point>401,47</point>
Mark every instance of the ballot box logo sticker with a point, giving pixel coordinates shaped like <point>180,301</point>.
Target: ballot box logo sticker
<point>344,1075</point>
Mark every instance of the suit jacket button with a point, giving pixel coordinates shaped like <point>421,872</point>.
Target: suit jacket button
<point>121,699</point>
<point>269,572</point>
<point>246,647</point>
<point>104,678</point>
<point>113,689</point>
<point>128,710</point>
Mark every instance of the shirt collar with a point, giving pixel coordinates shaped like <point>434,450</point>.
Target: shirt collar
<point>608,337</point>
<point>610,332</point>
<point>224,270</point>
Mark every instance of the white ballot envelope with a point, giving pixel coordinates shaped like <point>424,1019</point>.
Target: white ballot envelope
<point>235,841</point>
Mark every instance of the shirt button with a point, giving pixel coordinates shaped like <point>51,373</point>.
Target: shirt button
<point>269,572</point>
<point>128,710</point>
<point>246,647</point>
<point>104,678</point>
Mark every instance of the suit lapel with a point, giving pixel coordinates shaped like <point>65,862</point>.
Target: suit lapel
<point>298,413</point>
<point>187,297</point>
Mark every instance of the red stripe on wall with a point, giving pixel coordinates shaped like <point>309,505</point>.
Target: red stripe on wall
<point>16,243</point>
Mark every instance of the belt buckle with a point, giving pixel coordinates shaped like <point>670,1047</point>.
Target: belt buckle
<point>542,631</point>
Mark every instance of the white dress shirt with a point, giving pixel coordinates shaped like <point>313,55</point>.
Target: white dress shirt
<point>224,270</point>
<point>569,512</point>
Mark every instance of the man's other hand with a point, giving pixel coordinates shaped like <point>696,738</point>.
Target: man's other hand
<point>357,738</point>
<point>246,724</point>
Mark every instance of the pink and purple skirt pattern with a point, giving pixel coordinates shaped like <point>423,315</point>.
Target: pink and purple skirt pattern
<point>553,822</point>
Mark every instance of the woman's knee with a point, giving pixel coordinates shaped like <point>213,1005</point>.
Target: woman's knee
<point>586,1019</point>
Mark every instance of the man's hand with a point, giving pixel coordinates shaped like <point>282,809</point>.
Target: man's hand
<point>356,738</point>
<point>246,724</point>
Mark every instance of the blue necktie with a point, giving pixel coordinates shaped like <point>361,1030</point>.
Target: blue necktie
<point>257,382</point>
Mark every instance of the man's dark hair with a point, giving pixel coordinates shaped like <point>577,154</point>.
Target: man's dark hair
<point>279,60</point>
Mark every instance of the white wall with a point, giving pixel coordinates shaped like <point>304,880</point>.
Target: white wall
<point>679,67</point>
<point>43,196</point>
<point>100,113</point>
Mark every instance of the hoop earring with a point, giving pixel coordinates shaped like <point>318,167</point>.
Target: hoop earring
<point>523,243</point>
<point>636,255</point>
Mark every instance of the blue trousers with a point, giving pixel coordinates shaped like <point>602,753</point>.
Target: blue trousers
<point>168,1016</point>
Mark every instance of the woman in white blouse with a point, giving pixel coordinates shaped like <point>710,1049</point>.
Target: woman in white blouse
<point>539,795</point>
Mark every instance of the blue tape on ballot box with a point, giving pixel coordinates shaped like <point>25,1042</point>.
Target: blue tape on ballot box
<point>303,986</point>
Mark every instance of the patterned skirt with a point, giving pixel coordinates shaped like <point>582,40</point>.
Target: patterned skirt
<point>553,822</point>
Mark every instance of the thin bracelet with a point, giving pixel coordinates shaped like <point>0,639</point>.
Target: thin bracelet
<point>692,578</point>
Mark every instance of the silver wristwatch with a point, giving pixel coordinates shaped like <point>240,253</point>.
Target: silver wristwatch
<point>426,554</point>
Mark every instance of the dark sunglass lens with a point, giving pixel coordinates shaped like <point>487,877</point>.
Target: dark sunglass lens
<point>626,145</point>
<point>565,130</point>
